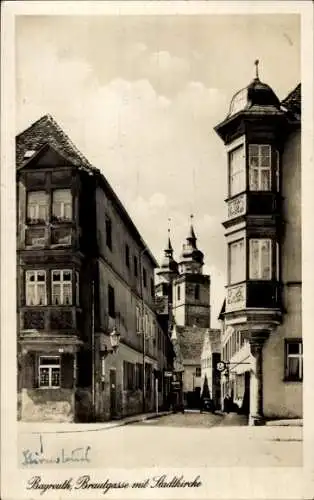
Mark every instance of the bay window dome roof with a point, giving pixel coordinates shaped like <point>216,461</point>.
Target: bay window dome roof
<point>257,96</point>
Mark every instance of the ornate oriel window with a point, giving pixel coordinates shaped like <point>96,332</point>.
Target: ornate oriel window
<point>260,167</point>
<point>236,171</point>
<point>37,206</point>
<point>61,287</point>
<point>236,261</point>
<point>49,372</point>
<point>62,204</point>
<point>35,288</point>
<point>260,259</point>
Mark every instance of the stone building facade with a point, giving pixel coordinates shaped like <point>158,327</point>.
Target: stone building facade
<point>84,272</point>
<point>262,330</point>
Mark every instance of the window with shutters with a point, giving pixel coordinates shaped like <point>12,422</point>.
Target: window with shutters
<point>294,360</point>
<point>61,287</point>
<point>35,288</point>
<point>49,372</point>
<point>37,206</point>
<point>260,259</point>
<point>260,167</point>
<point>62,204</point>
<point>236,171</point>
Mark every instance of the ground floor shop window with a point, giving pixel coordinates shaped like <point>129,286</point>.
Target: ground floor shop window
<point>294,360</point>
<point>49,371</point>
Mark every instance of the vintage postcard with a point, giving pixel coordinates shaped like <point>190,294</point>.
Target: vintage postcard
<point>156,257</point>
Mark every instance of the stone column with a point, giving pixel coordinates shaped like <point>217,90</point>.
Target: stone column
<point>256,393</point>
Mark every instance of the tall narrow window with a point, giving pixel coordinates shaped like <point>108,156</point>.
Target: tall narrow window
<point>236,261</point>
<point>260,259</point>
<point>152,288</point>
<point>236,171</point>
<point>108,233</point>
<point>260,167</point>
<point>62,204</point>
<point>144,277</point>
<point>197,292</point>
<point>135,266</point>
<point>61,284</point>
<point>35,288</point>
<point>37,206</point>
<point>111,302</point>
<point>294,360</point>
<point>127,255</point>
<point>178,292</point>
<point>49,371</point>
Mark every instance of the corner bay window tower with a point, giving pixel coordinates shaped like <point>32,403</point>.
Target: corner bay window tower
<point>254,133</point>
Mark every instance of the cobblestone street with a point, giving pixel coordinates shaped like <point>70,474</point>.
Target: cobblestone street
<point>193,418</point>
<point>187,440</point>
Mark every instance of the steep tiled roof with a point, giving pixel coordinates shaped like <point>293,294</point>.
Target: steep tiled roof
<point>293,100</point>
<point>47,131</point>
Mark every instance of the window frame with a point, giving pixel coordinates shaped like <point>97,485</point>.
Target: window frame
<point>144,277</point>
<point>111,302</point>
<point>50,368</point>
<point>287,376</point>
<point>234,190</point>
<point>108,228</point>
<point>127,256</point>
<point>62,217</point>
<point>37,220</point>
<point>260,168</point>
<point>260,263</point>
<point>61,283</point>
<point>242,277</point>
<point>198,371</point>
<point>28,272</point>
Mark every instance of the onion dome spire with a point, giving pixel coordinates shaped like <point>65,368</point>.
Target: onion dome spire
<point>192,259</point>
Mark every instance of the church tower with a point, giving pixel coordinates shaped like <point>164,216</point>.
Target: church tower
<point>191,288</point>
<point>166,273</point>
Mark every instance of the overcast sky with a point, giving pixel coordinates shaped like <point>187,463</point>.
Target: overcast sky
<point>139,96</point>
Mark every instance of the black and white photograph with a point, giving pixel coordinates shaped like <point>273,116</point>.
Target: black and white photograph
<point>156,231</point>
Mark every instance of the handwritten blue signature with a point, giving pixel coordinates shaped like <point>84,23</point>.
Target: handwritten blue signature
<point>36,457</point>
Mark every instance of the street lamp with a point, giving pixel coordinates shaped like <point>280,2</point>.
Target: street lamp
<point>114,341</point>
